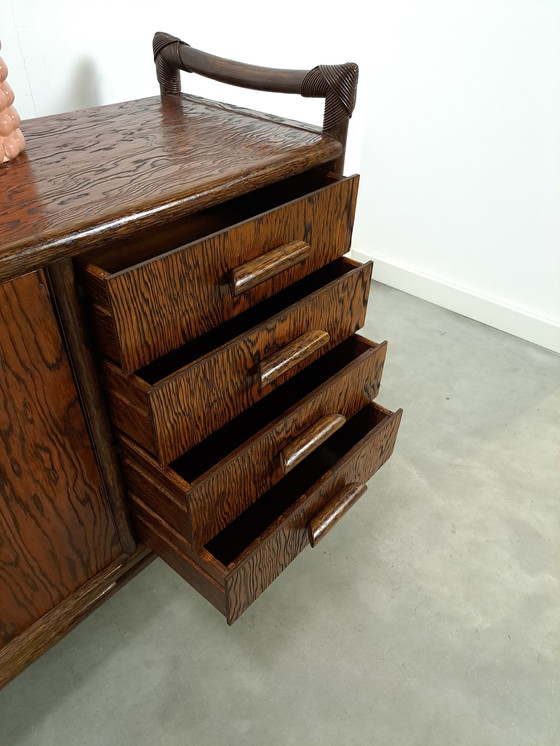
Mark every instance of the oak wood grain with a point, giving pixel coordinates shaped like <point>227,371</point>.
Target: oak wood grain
<point>55,624</point>
<point>106,172</point>
<point>243,461</point>
<point>200,397</point>
<point>268,265</point>
<point>292,354</point>
<point>337,84</point>
<point>65,290</point>
<point>211,566</point>
<point>56,527</point>
<point>104,329</point>
<point>249,574</point>
<point>299,448</point>
<point>261,563</point>
<point>165,301</point>
<point>328,517</point>
<point>178,557</point>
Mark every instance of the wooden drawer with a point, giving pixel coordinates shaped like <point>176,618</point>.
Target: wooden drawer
<point>237,565</point>
<point>150,297</point>
<point>208,487</point>
<point>174,403</point>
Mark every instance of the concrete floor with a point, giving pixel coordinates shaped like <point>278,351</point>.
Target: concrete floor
<point>430,615</point>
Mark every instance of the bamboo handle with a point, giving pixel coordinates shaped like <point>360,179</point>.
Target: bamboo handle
<point>322,523</point>
<point>337,84</point>
<point>292,454</point>
<point>293,353</point>
<point>268,265</point>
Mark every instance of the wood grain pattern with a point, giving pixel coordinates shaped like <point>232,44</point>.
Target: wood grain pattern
<point>171,55</point>
<point>104,329</point>
<point>200,508</point>
<point>300,447</point>
<point>63,281</point>
<point>191,403</point>
<point>180,205</point>
<point>106,172</point>
<point>328,517</point>
<point>129,407</point>
<point>255,570</point>
<point>244,579</point>
<point>50,628</point>
<point>56,528</point>
<point>187,565</point>
<point>292,354</point>
<point>337,84</point>
<point>163,302</point>
<point>145,482</point>
<point>200,556</point>
<point>252,273</point>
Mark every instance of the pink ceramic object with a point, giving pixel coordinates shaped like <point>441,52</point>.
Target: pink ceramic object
<point>12,141</point>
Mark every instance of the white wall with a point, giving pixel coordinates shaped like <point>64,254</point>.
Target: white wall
<point>460,194</point>
<point>456,133</point>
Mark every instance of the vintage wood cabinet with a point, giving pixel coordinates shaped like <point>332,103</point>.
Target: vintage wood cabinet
<point>180,369</point>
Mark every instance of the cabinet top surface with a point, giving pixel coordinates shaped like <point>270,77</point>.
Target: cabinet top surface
<point>104,172</point>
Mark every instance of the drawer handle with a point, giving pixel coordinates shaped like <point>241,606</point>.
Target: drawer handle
<point>293,353</point>
<point>322,523</point>
<point>268,265</point>
<point>309,440</point>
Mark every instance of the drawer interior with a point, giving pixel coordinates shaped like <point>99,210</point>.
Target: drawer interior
<point>119,255</point>
<point>227,546</point>
<point>202,457</point>
<point>169,364</point>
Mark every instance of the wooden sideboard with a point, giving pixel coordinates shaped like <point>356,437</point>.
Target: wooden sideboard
<point>180,370</point>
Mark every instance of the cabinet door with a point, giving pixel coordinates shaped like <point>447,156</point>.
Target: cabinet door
<point>56,528</point>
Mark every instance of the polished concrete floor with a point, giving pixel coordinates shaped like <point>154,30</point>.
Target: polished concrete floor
<point>430,616</point>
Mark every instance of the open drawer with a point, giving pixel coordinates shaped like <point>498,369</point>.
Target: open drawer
<point>205,489</point>
<point>177,401</point>
<point>153,293</point>
<point>238,564</point>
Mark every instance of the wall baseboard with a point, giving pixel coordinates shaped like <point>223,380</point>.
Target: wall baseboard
<point>536,329</point>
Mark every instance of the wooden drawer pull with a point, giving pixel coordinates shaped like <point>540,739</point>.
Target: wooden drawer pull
<point>309,440</point>
<point>293,353</point>
<point>268,265</point>
<point>322,523</point>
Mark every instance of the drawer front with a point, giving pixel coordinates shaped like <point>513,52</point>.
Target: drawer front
<point>160,304</point>
<point>260,565</point>
<point>201,508</point>
<point>164,541</point>
<point>248,575</point>
<point>195,401</point>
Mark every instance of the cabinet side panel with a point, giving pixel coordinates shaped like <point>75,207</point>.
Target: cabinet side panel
<point>56,529</point>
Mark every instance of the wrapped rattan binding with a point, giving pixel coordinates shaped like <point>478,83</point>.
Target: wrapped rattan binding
<point>337,84</point>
